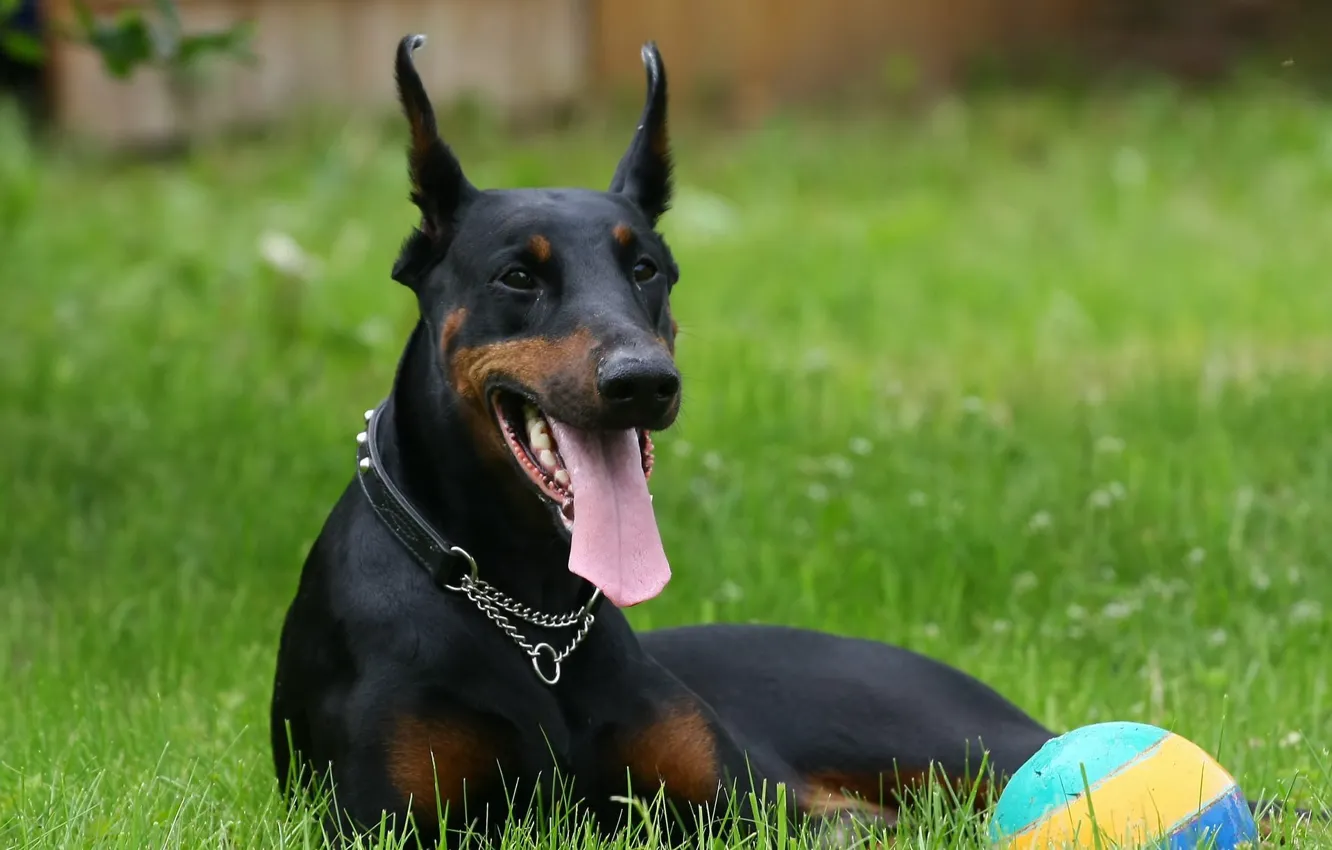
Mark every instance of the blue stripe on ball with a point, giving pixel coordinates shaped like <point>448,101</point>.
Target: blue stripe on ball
<point>1226,823</point>
<point>1087,745</point>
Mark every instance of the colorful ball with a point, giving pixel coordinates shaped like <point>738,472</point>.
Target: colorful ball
<point>1148,787</point>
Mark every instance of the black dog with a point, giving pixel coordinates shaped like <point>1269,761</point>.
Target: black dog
<point>456,644</point>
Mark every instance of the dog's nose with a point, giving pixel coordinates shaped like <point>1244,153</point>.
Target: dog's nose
<point>639,390</point>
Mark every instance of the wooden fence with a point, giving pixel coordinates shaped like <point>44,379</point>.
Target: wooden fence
<point>521,53</point>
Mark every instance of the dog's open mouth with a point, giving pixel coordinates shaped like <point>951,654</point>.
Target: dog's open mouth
<point>597,481</point>
<point>531,438</point>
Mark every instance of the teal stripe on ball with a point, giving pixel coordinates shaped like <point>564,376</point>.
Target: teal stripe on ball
<point>1088,745</point>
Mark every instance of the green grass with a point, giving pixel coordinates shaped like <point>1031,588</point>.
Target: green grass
<point>1038,387</point>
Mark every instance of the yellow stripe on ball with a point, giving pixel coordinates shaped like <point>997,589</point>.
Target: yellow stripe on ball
<point>1143,800</point>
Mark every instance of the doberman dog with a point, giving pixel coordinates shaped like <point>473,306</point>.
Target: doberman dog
<point>457,646</point>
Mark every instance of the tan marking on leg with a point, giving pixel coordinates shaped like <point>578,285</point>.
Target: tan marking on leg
<point>678,751</point>
<point>425,755</point>
<point>886,791</point>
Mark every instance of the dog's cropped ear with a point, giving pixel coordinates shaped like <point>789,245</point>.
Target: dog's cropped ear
<point>644,173</point>
<point>439,188</point>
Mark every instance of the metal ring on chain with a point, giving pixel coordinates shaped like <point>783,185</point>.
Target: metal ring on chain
<point>473,570</point>
<point>554,659</point>
<point>484,597</point>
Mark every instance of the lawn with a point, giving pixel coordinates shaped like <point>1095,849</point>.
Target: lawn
<point>1037,385</point>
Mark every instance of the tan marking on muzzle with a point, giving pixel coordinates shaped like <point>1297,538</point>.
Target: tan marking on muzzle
<point>535,363</point>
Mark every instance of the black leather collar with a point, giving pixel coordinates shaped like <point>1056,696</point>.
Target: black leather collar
<point>427,547</point>
<point>448,565</point>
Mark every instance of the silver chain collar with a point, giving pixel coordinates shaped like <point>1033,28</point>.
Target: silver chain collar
<point>495,604</point>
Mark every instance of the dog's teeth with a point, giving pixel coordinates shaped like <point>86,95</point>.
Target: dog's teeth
<point>547,459</point>
<point>540,440</point>
<point>562,477</point>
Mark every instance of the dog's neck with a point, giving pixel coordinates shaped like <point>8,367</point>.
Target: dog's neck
<point>430,452</point>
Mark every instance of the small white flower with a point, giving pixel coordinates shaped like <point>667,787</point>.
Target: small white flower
<point>682,448</point>
<point>712,461</point>
<point>375,331</point>
<point>1118,610</point>
<point>1217,637</point>
<point>1100,499</point>
<point>1075,612</point>
<point>1197,555</point>
<point>1001,627</point>
<point>817,492</point>
<point>1290,739</point>
<point>917,499</point>
<point>1025,581</point>
<point>1116,491</point>
<point>1108,445</point>
<point>729,591</point>
<point>815,360</point>
<point>838,466</point>
<point>909,415</point>
<point>1306,611</point>
<point>1259,578</point>
<point>1039,521</point>
<point>703,215</point>
<point>861,446</point>
<point>930,630</point>
<point>284,255</point>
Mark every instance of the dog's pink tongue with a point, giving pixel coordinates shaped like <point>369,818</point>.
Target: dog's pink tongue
<point>616,545</point>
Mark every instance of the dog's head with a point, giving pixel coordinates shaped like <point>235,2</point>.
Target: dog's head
<point>551,316</point>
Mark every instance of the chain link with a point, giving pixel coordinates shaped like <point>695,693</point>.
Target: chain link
<point>521,611</point>
<point>494,604</point>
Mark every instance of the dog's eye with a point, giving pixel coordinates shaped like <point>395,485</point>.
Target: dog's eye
<point>518,279</point>
<point>644,271</point>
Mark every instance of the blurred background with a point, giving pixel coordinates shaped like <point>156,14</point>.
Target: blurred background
<point>740,57</point>
<point>1004,331</point>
